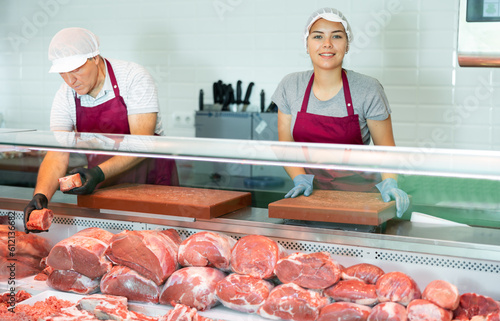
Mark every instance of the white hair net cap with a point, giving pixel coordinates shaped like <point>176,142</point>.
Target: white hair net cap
<point>71,47</point>
<point>330,14</point>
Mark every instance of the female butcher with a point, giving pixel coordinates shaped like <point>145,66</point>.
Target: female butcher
<point>330,104</point>
<point>99,96</point>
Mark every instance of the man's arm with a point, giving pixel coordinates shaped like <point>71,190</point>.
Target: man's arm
<point>53,166</point>
<point>140,124</point>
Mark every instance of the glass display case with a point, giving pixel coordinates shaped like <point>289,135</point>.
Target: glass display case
<point>450,230</point>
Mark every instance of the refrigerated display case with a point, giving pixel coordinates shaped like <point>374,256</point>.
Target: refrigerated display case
<point>451,230</point>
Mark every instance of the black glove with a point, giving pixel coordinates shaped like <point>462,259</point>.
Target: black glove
<point>38,202</point>
<point>90,179</point>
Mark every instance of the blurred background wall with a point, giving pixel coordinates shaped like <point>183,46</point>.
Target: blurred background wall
<point>409,45</point>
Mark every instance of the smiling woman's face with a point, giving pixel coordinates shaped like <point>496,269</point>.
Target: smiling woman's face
<point>327,44</point>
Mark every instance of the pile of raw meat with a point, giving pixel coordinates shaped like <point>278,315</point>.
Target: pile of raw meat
<point>91,308</point>
<point>20,253</point>
<point>254,274</point>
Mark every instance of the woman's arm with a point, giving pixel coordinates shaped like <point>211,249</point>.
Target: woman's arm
<point>285,134</point>
<point>381,133</point>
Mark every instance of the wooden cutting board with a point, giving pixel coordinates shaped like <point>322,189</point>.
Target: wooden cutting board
<point>336,207</point>
<point>169,200</point>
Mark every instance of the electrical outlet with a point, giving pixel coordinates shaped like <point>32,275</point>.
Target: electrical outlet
<point>183,119</point>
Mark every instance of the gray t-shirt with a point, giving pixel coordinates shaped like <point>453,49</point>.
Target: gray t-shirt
<point>368,98</point>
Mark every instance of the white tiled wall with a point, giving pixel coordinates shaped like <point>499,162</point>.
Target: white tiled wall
<point>409,45</point>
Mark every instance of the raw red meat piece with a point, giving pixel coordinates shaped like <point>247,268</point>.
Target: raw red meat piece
<point>151,253</point>
<point>72,281</point>
<point>192,286</point>
<point>207,249</point>
<point>97,233</point>
<point>365,272</point>
<point>292,302</point>
<point>388,311</point>
<point>472,304</point>
<point>22,267</point>
<point>344,311</point>
<point>423,310</point>
<point>173,235</point>
<point>25,244</point>
<point>397,287</point>
<point>243,293</point>
<point>123,281</point>
<point>42,309</point>
<point>40,219</point>
<point>495,316</point>
<point>19,296</point>
<point>312,271</point>
<point>82,254</point>
<point>43,276</point>
<point>264,254</point>
<point>354,291</point>
<point>69,182</point>
<point>442,293</point>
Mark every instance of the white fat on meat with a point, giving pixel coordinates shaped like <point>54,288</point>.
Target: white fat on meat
<point>423,310</point>
<point>388,311</point>
<point>192,286</point>
<point>442,293</point>
<point>292,302</point>
<point>106,307</point>
<point>243,293</point>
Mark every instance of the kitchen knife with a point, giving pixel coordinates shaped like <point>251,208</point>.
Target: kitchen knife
<point>217,97</point>
<point>272,108</point>
<point>246,102</point>
<point>262,101</point>
<point>200,100</point>
<point>228,93</point>
<point>238,96</point>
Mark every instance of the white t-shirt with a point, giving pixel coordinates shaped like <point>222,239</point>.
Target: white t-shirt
<point>136,86</point>
<point>368,98</point>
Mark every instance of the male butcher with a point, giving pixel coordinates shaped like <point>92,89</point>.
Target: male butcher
<point>99,96</point>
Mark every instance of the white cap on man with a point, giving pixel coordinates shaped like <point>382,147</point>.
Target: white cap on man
<point>330,14</point>
<point>71,47</point>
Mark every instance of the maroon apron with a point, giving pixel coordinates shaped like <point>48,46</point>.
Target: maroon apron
<point>111,117</point>
<point>311,128</point>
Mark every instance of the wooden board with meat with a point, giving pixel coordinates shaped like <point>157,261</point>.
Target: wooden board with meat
<point>336,207</point>
<point>170,200</point>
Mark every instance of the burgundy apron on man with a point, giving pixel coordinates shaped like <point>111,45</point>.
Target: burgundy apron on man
<point>311,128</point>
<point>111,117</point>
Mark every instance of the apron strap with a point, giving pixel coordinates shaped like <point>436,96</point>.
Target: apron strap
<point>305,101</point>
<point>112,78</point>
<point>347,94</point>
